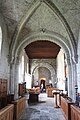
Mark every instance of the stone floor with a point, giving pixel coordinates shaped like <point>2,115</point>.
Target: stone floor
<point>43,110</point>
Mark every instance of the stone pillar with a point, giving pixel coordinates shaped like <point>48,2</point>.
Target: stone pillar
<point>72,79</point>
<point>78,64</point>
<point>78,73</point>
<point>74,82</point>
<point>11,78</point>
<point>69,81</point>
<point>16,78</point>
<point>32,80</point>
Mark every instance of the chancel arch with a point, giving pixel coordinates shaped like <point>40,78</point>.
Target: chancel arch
<point>43,64</point>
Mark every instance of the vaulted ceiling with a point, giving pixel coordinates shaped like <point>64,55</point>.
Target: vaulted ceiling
<point>42,49</point>
<point>26,17</point>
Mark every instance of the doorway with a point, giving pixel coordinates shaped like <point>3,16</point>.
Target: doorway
<point>42,85</point>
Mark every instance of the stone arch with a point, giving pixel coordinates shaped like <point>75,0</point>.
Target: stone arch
<point>58,39</point>
<point>69,48</point>
<point>27,16</point>
<point>47,35</point>
<point>48,66</point>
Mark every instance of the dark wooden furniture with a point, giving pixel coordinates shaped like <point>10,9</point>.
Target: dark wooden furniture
<point>75,113</point>
<point>19,107</point>
<point>33,98</point>
<point>65,106</point>
<point>3,93</point>
<point>3,88</point>
<point>6,110</point>
<point>22,88</point>
<point>10,98</point>
<point>6,113</point>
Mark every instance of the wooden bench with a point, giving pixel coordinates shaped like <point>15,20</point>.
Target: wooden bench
<point>6,113</point>
<point>19,107</point>
<point>75,113</point>
<point>66,108</point>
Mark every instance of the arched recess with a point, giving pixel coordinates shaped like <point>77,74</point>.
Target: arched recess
<point>46,65</point>
<point>26,18</point>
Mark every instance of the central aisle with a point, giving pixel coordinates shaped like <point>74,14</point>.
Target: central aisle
<point>43,110</point>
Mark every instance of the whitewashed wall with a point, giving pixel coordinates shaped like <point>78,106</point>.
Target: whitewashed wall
<point>60,70</point>
<point>23,67</point>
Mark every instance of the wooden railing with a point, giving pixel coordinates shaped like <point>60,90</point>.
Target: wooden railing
<point>19,107</point>
<point>6,113</point>
<point>65,106</point>
<point>75,113</point>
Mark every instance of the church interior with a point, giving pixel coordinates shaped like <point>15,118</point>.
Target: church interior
<point>40,58</point>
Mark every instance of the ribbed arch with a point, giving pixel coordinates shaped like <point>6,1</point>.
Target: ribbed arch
<point>26,18</point>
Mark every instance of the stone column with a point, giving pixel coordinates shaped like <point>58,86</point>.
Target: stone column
<point>32,84</point>
<point>69,81</point>
<point>11,78</point>
<point>72,79</point>
<point>78,63</point>
<point>16,78</point>
<point>74,82</point>
<point>78,73</point>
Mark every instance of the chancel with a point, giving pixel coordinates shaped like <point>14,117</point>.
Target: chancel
<point>40,59</point>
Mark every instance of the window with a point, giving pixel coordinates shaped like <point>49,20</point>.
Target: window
<point>22,64</point>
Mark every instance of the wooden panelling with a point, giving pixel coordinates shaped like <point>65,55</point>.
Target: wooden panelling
<point>65,106</point>
<point>19,107</point>
<point>3,88</point>
<point>75,113</point>
<point>3,93</point>
<point>7,112</point>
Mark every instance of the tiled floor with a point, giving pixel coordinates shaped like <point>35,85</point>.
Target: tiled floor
<point>43,110</point>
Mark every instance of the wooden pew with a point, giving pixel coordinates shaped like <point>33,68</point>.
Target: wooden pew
<point>6,113</point>
<point>75,113</point>
<point>19,107</point>
<point>65,106</point>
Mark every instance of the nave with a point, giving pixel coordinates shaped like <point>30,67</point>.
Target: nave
<point>43,110</point>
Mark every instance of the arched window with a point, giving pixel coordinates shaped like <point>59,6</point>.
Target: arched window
<point>0,39</point>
